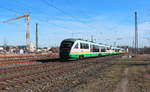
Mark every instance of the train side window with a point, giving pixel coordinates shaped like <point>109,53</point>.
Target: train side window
<point>81,45</point>
<point>91,47</point>
<point>84,46</point>
<point>87,46</point>
<point>108,48</point>
<point>103,49</point>
<point>95,48</point>
<point>76,46</point>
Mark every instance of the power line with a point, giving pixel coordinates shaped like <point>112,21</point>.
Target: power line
<point>30,7</point>
<point>45,2</point>
<point>44,13</point>
<point>14,11</point>
<point>9,9</point>
<point>62,11</point>
<point>58,9</point>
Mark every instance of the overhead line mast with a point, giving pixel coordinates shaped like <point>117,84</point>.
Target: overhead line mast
<point>136,34</point>
<point>36,36</point>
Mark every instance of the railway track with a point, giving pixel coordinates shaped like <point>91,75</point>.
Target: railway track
<point>22,59</point>
<point>22,68</point>
<point>35,76</point>
<point>24,55</point>
<point>51,70</point>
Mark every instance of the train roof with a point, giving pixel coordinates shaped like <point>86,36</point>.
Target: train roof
<point>75,39</point>
<point>71,39</point>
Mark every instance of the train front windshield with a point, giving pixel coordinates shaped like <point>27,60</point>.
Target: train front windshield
<point>66,44</point>
<point>65,49</point>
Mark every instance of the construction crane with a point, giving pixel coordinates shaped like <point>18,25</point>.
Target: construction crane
<point>27,17</point>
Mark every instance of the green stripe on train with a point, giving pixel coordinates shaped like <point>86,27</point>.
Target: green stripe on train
<point>76,56</point>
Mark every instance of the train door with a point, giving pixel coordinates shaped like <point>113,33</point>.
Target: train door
<point>75,48</point>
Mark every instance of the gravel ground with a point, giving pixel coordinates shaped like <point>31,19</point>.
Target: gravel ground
<point>139,78</point>
<point>21,64</point>
<point>114,75</point>
<point>126,76</point>
<point>105,81</point>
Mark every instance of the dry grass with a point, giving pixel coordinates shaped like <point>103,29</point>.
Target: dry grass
<point>105,82</point>
<point>111,79</point>
<point>139,78</point>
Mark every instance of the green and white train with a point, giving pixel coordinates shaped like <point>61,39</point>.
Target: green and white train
<point>79,49</point>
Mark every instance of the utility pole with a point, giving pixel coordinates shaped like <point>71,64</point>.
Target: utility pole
<point>92,38</point>
<point>36,36</point>
<point>136,34</point>
<point>5,43</point>
<point>115,43</point>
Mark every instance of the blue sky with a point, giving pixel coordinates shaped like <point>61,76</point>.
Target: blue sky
<point>108,21</point>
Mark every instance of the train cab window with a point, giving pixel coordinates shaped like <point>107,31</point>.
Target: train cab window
<point>66,44</point>
<point>76,46</point>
